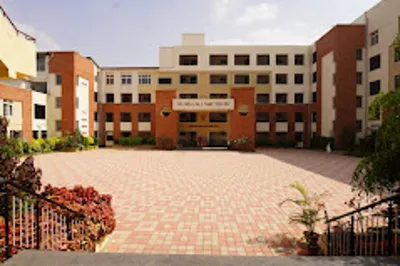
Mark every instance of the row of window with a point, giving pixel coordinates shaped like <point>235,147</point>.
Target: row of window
<point>242,60</point>
<point>127,98</point>
<point>214,117</point>
<point>282,117</point>
<point>282,98</point>
<point>126,117</point>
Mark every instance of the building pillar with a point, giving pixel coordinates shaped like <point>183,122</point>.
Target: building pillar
<point>166,120</point>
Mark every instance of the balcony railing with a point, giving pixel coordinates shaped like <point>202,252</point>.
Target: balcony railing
<point>372,230</point>
<point>31,221</point>
<point>19,33</point>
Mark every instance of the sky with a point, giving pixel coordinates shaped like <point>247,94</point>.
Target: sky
<point>129,32</point>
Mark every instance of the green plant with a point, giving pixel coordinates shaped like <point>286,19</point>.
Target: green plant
<point>35,146</point>
<point>52,142</point>
<point>149,141</point>
<point>310,208</point>
<point>348,139</point>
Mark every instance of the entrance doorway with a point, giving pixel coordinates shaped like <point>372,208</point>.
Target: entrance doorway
<point>218,139</point>
<point>187,139</point>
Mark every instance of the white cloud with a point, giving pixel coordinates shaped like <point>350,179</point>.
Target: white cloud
<point>257,13</point>
<point>44,42</point>
<point>220,9</point>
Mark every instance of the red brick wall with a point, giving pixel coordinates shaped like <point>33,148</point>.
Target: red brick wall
<point>243,125</point>
<point>344,41</point>
<point>291,109</point>
<point>117,109</point>
<point>25,97</point>
<point>166,126</point>
<point>70,65</point>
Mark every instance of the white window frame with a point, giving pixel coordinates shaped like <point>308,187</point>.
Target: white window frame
<point>7,108</point>
<point>109,78</point>
<point>126,79</point>
<point>144,79</point>
<point>374,37</point>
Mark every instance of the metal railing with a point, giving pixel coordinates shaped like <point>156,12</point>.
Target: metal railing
<point>372,230</point>
<point>32,221</point>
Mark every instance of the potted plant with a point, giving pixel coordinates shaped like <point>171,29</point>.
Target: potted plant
<point>309,215</point>
<point>242,143</point>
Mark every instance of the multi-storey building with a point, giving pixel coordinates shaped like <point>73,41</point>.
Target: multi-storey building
<point>216,94</point>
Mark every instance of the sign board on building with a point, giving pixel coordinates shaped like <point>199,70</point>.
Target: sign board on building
<point>203,104</point>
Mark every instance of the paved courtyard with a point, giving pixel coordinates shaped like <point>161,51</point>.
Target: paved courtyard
<point>203,202</point>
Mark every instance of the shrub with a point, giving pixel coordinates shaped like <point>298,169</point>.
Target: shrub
<point>149,141</point>
<point>19,146</point>
<point>53,142</point>
<point>44,145</point>
<point>130,141</point>
<point>319,142</point>
<point>35,146</point>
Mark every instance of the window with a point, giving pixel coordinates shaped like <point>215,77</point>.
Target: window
<point>218,96</point>
<point>314,97</point>
<point>126,97</point>
<point>375,62</point>
<point>374,37</point>
<point>281,117</point>
<point>242,79</point>
<point>359,78</point>
<point>96,114</point>
<point>39,87</point>
<point>58,79</point>
<point>109,79</point>
<point>109,117</point>
<point>242,60</point>
<point>263,59</point>
<point>218,60</point>
<point>40,111</point>
<point>397,54</point>
<point>281,78</point>
<point>109,136</point>
<point>218,117</point>
<point>188,96</point>
<point>314,77</point>
<point>298,136</point>
<point>35,134</point>
<point>188,60</point>
<point>262,117</point>
<point>7,108</point>
<point>187,117</point>
<point>299,59</point>
<point>40,63</point>
<point>263,79</point>
<point>144,117</point>
<point>298,79</point>
<point>164,81</point>
<point>144,98</point>
<point>281,136</point>
<point>358,125</point>
<point>397,82</point>
<point>58,125</point>
<point>77,103</point>
<point>95,97</point>
<point>314,57</point>
<point>126,117</point>
<point>125,134</point>
<point>144,79</point>
<point>188,79</point>
<point>110,98</point>
<point>58,102</point>
<point>314,117</point>
<point>219,79</point>
<point>126,79</point>
<point>359,54</point>
<point>359,102</point>
<point>298,98</point>
<point>262,98</point>
<point>374,87</point>
<point>298,117</point>
<point>96,133</point>
<point>281,59</point>
<point>281,98</point>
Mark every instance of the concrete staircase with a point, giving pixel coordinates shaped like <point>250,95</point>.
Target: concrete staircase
<point>48,258</point>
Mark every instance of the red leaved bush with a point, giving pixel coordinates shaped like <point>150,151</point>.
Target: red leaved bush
<point>100,217</point>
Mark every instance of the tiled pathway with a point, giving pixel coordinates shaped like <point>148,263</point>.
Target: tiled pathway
<point>203,202</point>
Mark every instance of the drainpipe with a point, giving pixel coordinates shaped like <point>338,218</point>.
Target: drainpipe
<point>366,78</point>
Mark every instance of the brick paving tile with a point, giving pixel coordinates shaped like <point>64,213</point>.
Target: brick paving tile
<point>203,202</point>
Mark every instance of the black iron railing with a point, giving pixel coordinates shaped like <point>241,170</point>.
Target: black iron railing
<point>372,230</point>
<point>32,221</point>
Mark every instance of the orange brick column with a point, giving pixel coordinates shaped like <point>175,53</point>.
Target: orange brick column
<point>165,126</point>
<point>243,125</point>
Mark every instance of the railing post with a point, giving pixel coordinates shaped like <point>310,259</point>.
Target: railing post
<point>352,237</point>
<point>37,210</point>
<point>390,229</point>
<point>7,221</point>
<point>69,228</point>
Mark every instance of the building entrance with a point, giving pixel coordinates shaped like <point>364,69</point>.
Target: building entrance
<point>218,139</point>
<point>188,139</point>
